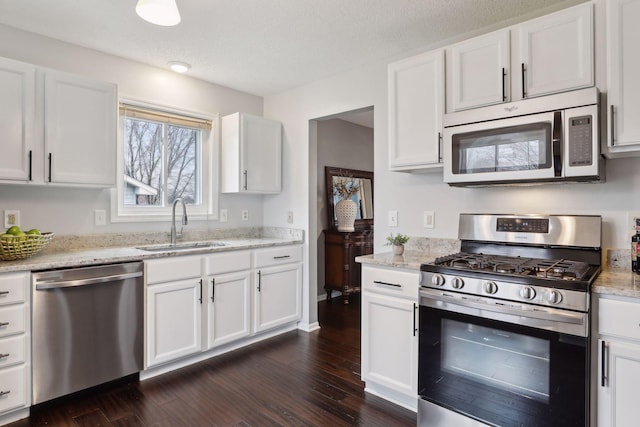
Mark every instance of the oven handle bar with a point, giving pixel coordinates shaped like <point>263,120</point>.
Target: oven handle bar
<point>448,302</point>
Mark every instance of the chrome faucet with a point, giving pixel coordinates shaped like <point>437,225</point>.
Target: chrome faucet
<point>185,221</point>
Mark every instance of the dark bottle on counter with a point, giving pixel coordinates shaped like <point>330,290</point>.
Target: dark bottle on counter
<point>635,246</point>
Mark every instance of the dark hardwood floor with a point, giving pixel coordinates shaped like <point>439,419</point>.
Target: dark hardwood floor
<point>296,379</point>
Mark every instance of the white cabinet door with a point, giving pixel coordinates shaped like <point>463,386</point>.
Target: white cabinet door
<point>556,52</point>
<point>478,71</point>
<point>17,109</point>
<point>390,342</point>
<point>173,320</point>
<point>623,69</point>
<point>416,105</point>
<point>251,153</point>
<point>277,296</point>
<point>228,308</point>
<point>617,398</point>
<point>80,130</point>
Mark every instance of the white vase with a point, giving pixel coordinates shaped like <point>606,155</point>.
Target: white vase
<point>346,211</point>
<point>398,249</point>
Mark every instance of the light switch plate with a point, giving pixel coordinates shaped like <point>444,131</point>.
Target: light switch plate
<point>429,219</point>
<point>393,219</point>
<point>11,217</point>
<point>224,215</point>
<point>100,217</point>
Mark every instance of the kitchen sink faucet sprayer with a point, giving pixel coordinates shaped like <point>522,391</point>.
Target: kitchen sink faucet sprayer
<point>185,221</point>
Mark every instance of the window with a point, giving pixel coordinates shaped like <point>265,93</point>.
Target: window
<point>164,155</point>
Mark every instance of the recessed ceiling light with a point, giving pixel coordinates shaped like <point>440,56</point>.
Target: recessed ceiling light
<point>179,67</point>
<point>159,12</point>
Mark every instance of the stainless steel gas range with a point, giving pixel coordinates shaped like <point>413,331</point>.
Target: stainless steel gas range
<point>504,324</point>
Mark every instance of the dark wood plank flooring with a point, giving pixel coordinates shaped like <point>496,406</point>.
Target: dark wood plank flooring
<point>296,379</point>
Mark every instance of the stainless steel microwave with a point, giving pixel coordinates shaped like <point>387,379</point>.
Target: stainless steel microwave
<point>545,139</point>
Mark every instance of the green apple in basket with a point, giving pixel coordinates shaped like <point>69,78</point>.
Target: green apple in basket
<point>34,232</point>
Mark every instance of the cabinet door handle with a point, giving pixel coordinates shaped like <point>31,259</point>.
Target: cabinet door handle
<point>50,162</point>
<point>245,179</point>
<point>612,124</point>
<point>282,257</point>
<point>4,355</point>
<point>504,84</point>
<point>603,363</point>
<point>30,164</point>
<point>3,293</point>
<point>213,289</point>
<point>439,147</point>
<point>259,279</point>
<point>378,282</point>
<point>4,392</point>
<point>523,70</point>
<point>200,299</point>
<point>415,308</point>
<point>3,324</point>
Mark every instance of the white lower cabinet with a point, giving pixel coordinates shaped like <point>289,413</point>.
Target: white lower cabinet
<point>390,334</point>
<point>277,291</point>
<point>618,362</point>
<point>15,346</point>
<point>174,307</point>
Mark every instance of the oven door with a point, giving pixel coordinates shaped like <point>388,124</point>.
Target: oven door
<point>516,149</point>
<point>495,368</point>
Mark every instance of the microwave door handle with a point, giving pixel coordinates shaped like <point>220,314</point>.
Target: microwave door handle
<point>556,143</point>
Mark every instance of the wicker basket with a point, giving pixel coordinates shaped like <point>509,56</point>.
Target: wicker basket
<point>23,247</point>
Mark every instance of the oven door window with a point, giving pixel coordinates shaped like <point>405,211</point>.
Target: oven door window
<point>500,373</point>
<point>514,148</point>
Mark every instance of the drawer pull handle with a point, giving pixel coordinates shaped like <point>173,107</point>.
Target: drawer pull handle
<point>3,324</point>
<point>5,355</point>
<point>3,293</point>
<point>378,282</point>
<point>282,257</point>
<point>4,393</point>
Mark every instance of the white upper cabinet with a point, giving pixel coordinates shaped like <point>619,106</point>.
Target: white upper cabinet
<point>623,70</point>
<point>17,86</point>
<point>80,130</point>
<point>556,53</point>
<point>478,71</point>
<point>416,105</point>
<point>56,127</point>
<point>251,154</point>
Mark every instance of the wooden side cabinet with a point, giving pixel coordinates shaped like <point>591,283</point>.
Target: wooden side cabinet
<point>342,272</point>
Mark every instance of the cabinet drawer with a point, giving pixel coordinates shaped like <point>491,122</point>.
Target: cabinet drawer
<point>172,268</point>
<point>227,262</point>
<point>12,287</point>
<point>13,391</point>
<point>401,283</point>
<point>279,255</point>
<point>12,351</point>
<point>12,320</point>
<point>619,318</point>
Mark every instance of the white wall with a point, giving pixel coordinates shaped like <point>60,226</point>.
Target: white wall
<point>411,194</point>
<point>344,145</point>
<point>70,211</point>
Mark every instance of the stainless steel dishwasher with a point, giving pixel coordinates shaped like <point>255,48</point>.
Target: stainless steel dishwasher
<point>87,327</point>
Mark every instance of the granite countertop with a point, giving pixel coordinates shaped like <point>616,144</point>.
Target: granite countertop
<point>611,281</point>
<point>95,256</point>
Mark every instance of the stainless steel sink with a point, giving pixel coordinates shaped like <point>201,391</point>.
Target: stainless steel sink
<point>181,246</point>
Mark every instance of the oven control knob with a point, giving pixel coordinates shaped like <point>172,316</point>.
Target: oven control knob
<point>490,287</point>
<point>457,283</point>
<point>554,297</point>
<point>528,293</point>
<point>437,280</point>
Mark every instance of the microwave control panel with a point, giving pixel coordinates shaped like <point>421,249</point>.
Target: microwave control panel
<point>580,141</point>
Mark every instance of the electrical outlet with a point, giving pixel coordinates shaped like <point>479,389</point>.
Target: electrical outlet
<point>429,218</point>
<point>393,219</point>
<point>11,217</point>
<point>245,215</point>
<point>100,217</point>
<point>224,215</point>
<point>290,217</point>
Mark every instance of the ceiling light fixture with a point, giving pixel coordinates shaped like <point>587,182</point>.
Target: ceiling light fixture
<point>159,12</point>
<point>179,67</point>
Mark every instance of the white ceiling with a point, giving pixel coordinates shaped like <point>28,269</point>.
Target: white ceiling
<point>265,46</point>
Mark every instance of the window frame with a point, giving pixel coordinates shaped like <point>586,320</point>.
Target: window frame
<point>210,170</point>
